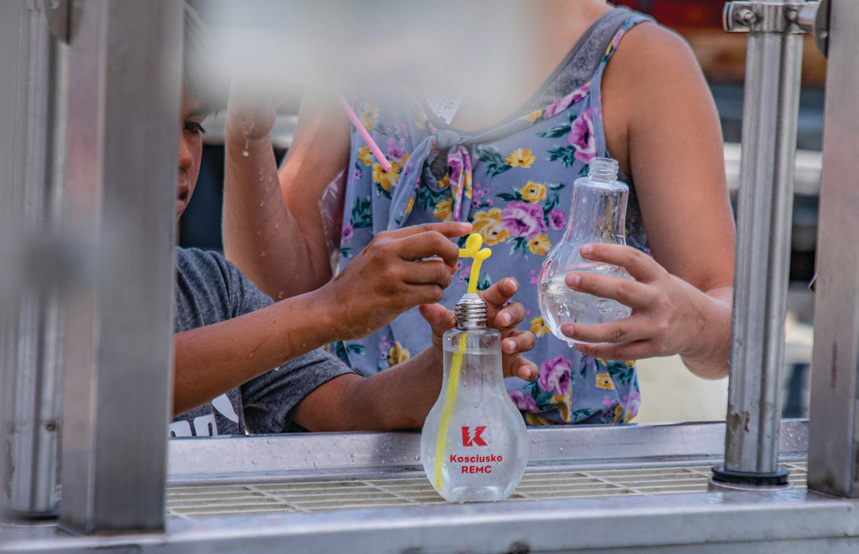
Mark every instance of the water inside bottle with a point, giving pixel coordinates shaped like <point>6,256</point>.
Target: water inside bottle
<point>560,304</point>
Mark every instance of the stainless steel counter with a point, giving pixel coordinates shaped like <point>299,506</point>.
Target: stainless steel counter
<point>587,488</point>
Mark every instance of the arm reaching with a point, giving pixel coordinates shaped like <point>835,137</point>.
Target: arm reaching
<point>398,270</point>
<point>667,136</point>
<point>401,397</point>
<point>280,247</point>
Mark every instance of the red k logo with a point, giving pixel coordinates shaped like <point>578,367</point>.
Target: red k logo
<point>470,438</point>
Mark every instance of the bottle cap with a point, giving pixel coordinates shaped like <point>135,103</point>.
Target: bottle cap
<point>470,312</point>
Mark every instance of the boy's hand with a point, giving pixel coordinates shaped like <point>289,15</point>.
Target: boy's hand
<point>500,315</point>
<point>398,270</point>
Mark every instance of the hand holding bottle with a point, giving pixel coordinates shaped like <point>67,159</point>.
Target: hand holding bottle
<point>501,314</point>
<point>669,315</point>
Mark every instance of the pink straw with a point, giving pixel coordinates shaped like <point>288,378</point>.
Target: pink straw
<point>374,148</point>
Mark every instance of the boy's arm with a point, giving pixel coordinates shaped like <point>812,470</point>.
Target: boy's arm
<point>396,271</point>
<point>402,396</point>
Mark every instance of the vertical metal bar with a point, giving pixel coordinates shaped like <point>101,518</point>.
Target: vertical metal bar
<point>765,202</point>
<point>30,363</point>
<point>833,450</point>
<point>125,79</point>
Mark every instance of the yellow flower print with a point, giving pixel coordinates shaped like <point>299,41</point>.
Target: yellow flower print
<point>533,192</point>
<point>397,354</point>
<point>629,363</point>
<point>533,116</point>
<point>468,185</point>
<point>540,244</point>
<point>368,116</point>
<point>365,156</point>
<point>618,413</point>
<point>539,327</point>
<point>521,157</point>
<point>444,210</point>
<point>444,182</point>
<point>563,403</point>
<point>410,205</point>
<point>386,179</point>
<point>537,419</point>
<point>420,124</point>
<point>488,224</point>
<point>604,381</point>
<point>629,416</point>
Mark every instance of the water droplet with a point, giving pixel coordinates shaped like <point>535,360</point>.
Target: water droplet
<point>418,458</point>
<point>259,233</point>
<point>245,153</point>
<point>262,254</point>
<point>476,403</point>
<point>276,226</point>
<point>261,204</point>
<point>561,449</point>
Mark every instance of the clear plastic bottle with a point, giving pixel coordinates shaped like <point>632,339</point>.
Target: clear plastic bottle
<point>482,451</point>
<point>598,214</point>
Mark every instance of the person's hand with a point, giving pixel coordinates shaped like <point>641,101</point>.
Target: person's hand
<point>398,270</point>
<point>666,314</point>
<point>501,314</point>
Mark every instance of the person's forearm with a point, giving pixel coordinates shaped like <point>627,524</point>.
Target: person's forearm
<point>260,235</point>
<point>711,358</point>
<point>211,360</point>
<point>397,398</point>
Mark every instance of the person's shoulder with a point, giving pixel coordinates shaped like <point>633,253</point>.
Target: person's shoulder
<point>652,49</point>
<point>206,265</point>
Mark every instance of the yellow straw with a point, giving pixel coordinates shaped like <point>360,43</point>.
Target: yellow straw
<point>471,250</point>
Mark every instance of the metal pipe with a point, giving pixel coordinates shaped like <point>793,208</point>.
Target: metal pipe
<point>31,367</point>
<point>833,453</point>
<point>125,82</point>
<point>764,209</point>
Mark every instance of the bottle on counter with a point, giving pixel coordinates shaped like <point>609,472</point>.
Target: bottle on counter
<point>474,445</point>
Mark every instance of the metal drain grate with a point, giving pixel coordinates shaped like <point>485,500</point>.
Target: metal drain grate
<point>221,500</point>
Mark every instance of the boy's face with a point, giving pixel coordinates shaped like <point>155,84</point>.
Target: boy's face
<point>190,149</point>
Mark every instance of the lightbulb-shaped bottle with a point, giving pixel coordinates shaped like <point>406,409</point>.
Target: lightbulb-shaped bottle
<point>474,445</point>
<point>598,214</point>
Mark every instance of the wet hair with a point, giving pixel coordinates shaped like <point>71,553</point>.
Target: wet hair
<point>202,78</point>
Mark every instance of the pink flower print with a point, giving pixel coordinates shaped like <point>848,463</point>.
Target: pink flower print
<point>489,202</point>
<point>557,220</point>
<point>454,168</point>
<point>523,219</point>
<point>465,274</point>
<point>396,153</point>
<point>356,175</point>
<point>347,232</point>
<point>534,279</point>
<point>581,137</point>
<point>524,402</point>
<point>567,101</point>
<point>554,375</point>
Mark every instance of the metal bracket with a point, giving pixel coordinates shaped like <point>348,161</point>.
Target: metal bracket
<point>59,16</point>
<point>780,17</point>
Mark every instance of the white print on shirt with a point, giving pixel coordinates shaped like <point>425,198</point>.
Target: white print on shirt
<point>205,425</point>
<point>225,408</point>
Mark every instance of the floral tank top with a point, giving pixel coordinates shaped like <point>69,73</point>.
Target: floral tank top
<point>513,181</point>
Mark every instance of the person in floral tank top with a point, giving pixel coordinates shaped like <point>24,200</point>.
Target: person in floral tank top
<point>513,180</point>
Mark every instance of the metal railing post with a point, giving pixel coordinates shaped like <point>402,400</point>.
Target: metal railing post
<point>125,80</point>
<point>833,449</point>
<point>764,208</point>
<point>32,168</point>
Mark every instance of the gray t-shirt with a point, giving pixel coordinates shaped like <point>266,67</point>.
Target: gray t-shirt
<point>210,289</point>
